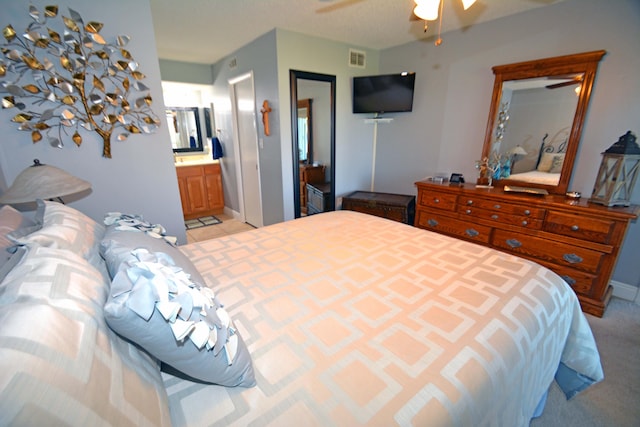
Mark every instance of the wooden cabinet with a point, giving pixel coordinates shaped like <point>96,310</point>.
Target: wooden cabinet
<point>578,240</point>
<point>318,198</point>
<point>200,190</point>
<point>309,174</point>
<point>397,207</point>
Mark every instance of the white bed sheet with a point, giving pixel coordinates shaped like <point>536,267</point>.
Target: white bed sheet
<point>537,177</point>
<point>355,320</point>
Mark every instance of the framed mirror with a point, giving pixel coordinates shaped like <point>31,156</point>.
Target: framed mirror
<point>313,116</point>
<point>535,120</point>
<point>184,129</point>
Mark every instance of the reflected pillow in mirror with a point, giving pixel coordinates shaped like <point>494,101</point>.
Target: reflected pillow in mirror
<point>556,163</point>
<point>546,161</point>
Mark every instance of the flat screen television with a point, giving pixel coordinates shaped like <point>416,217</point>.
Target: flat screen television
<point>387,93</point>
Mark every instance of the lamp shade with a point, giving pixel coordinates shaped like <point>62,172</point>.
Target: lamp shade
<point>518,150</point>
<point>40,181</point>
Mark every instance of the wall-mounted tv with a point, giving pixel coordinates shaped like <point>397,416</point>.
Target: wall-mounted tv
<point>388,93</point>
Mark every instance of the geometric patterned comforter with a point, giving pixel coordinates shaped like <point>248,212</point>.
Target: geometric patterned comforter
<point>354,320</point>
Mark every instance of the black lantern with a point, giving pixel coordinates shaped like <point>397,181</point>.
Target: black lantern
<point>618,173</point>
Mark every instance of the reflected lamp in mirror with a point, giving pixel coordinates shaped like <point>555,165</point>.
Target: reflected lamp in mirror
<point>618,173</point>
<point>514,153</point>
<point>184,129</point>
<point>40,181</point>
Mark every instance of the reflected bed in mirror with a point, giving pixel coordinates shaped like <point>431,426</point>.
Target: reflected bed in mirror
<point>184,129</point>
<point>535,120</point>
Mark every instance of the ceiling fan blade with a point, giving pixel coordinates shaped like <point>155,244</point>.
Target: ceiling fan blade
<point>338,5</point>
<point>563,84</point>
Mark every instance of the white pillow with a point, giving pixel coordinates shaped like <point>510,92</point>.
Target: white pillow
<point>546,161</point>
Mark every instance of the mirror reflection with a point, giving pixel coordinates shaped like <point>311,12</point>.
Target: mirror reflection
<point>313,138</point>
<point>536,124</point>
<point>184,129</point>
<point>535,121</point>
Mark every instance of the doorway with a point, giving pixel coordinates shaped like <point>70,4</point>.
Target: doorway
<point>247,155</point>
<point>313,116</point>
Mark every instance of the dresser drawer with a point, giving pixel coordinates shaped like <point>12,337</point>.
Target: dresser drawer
<point>502,217</point>
<point>591,229</point>
<point>443,201</point>
<point>555,252</point>
<point>442,224</point>
<point>579,281</point>
<point>501,207</point>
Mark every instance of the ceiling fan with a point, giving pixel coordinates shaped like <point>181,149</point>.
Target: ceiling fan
<point>336,5</point>
<point>568,81</point>
<point>430,10</point>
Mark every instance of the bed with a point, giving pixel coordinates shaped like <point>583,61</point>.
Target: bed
<point>349,319</point>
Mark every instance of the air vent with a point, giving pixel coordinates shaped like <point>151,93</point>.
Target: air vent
<point>357,58</point>
<point>233,63</point>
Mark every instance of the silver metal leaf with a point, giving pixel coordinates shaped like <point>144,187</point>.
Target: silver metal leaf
<point>95,98</point>
<point>32,36</point>
<point>76,17</point>
<point>140,86</point>
<point>51,96</point>
<point>87,42</point>
<point>87,126</point>
<point>140,102</point>
<point>14,55</point>
<point>122,136</point>
<point>48,65</point>
<point>20,106</point>
<point>68,123</point>
<point>55,142</point>
<point>34,13</point>
<point>123,40</point>
<point>66,87</point>
<point>25,126</point>
<point>133,66</point>
<point>69,38</point>
<point>46,114</point>
<point>15,90</point>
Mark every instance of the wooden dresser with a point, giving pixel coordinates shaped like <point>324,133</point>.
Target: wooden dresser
<point>200,190</point>
<point>309,174</point>
<point>578,240</point>
<point>397,207</point>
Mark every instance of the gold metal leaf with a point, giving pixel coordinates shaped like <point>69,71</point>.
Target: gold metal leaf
<point>68,115</point>
<point>133,129</point>
<point>96,109</point>
<point>42,126</point>
<point>51,11</point>
<point>68,100</point>
<point>150,120</point>
<point>93,27</point>
<point>66,64</point>
<point>32,63</point>
<point>138,75</point>
<point>122,65</point>
<point>97,83</point>
<point>148,99</point>
<point>3,69</point>
<point>71,24</point>
<point>125,84</point>
<point>21,118</point>
<point>110,118</point>
<point>42,43</point>
<point>98,38</point>
<point>36,136</point>
<point>31,88</point>
<point>77,139</point>
<point>125,105</point>
<point>112,99</point>
<point>9,33</point>
<point>8,102</point>
<point>54,36</point>
<point>102,54</point>
<point>126,54</point>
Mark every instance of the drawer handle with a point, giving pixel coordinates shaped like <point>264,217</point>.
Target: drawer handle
<point>572,258</point>
<point>494,216</point>
<point>471,232</point>
<point>527,212</point>
<point>468,211</point>
<point>469,202</point>
<point>432,222</point>
<point>436,200</point>
<point>570,280</point>
<point>497,206</point>
<point>575,228</point>
<point>514,243</point>
<point>525,223</point>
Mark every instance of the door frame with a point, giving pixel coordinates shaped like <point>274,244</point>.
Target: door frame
<point>237,147</point>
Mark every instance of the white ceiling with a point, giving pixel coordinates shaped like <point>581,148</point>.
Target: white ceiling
<point>204,31</point>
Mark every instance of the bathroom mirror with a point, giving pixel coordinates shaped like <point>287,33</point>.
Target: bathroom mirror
<point>184,129</point>
<point>313,111</point>
<point>535,120</point>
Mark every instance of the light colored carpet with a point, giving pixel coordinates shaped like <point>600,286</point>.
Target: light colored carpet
<point>614,402</point>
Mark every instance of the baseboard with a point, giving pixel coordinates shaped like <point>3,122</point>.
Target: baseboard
<point>626,291</point>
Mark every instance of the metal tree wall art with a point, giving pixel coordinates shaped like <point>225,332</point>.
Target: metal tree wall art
<point>62,82</point>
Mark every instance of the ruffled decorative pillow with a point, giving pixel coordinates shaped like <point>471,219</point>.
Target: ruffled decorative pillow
<point>157,305</point>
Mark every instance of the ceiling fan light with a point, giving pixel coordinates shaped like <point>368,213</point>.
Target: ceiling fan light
<point>467,3</point>
<point>427,10</point>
